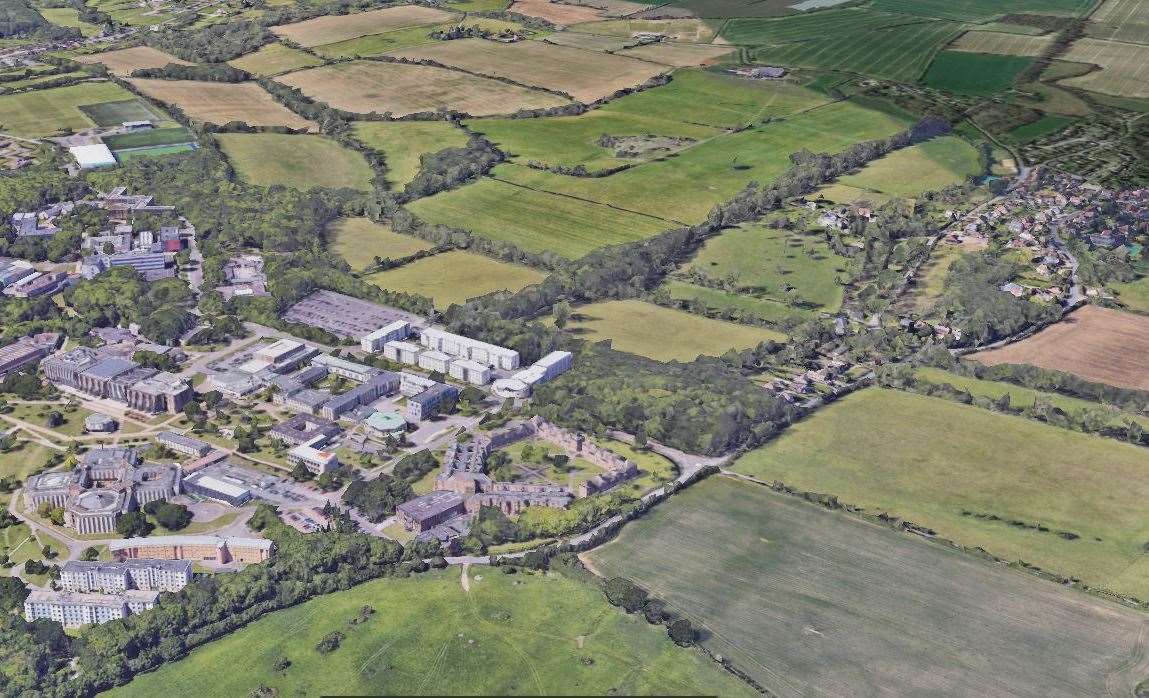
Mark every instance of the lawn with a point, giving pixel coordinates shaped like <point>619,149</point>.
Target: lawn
<point>404,143</point>
<point>68,17</point>
<point>274,59</point>
<point>771,260</point>
<point>814,602</point>
<point>360,240</point>
<point>881,450</point>
<point>24,458</point>
<point>909,172</point>
<point>928,285</point>
<point>536,221</point>
<point>154,151</point>
<point>980,74</point>
<point>45,112</point>
<point>220,103</point>
<point>267,159</point>
<point>510,634</point>
<point>454,277</point>
<point>150,137</point>
<point>644,328</point>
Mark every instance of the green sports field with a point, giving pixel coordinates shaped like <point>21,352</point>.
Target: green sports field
<point>974,73</point>
<point>155,136</point>
<point>929,166</point>
<point>643,328</point>
<point>454,277</point>
<point>404,143</point>
<point>510,634</point>
<point>360,240</point>
<point>817,603</point>
<point>267,159</point>
<point>929,460</point>
<point>45,112</point>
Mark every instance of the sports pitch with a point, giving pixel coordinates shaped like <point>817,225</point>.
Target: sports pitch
<point>267,159</point>
<point>455,277</point>
<point>813,602</point>
<point>220,103</point>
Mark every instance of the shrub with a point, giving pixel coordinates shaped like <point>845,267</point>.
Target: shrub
<point>625,594</point>
<point>682,632</point>
<point>330,642</point>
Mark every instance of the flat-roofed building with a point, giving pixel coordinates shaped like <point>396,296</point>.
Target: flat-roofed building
<point>26,351</point>
<point>403,352</point>
<point>555,364</point>
<point>373,343</point>
<point>182,443</point>
<point>384,424</point>
<point>466,348</point>
<point>284,355</point>
<point>348,369</point>
<point>315,460</point>
<point>234,384</point>
<point>304,428</point>
<point>209,486</point>
<point>384,383</point>
<point>202,548</point>
<point>101,375</point>
<point>425,512</point>
<point>73,610</point>
<point>93,156</point>
<point>471,372</point>
<point>435,361</point>
<point>413,384</point>
<point>115,577</point>
<point>429,402</point>
<point>307,401</point>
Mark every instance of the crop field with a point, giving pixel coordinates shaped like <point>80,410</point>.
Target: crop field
<point>815,602</point>
<point>981,10</point>
<point>929,166</point>
<point>721,9</point>
<point>510,634</point>
<point>590,42</point>
<point>68,17</point>
<point>533,220</point>
<point>267,159</point>
<point>44,112</point>
<point>556,13</point>
<point>1001,43</point>
<point>1020,489</point>
<point>737,307</point>
<point>643,328</point>
<point>274,59</point>
<point>974,73</point>
<point>772,260</point>
<point>454,277</point>
<point>679,55</point>
<point>330,29</point>
<point>1121,20</point>
<point>219,102</point>
<point>670,187</point>
<point>584,75</point>
<point>816,26</point>
<point>366,87</point>
<point>1124,67</point>
<point>360,240</point>
<point>896,52</point>
<point>376,44</point>
<point>692,30</point>
<point>404,143</point>
<point>1095,343</point>
<point>124,61</point>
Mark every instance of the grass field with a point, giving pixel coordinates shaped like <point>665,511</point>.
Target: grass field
<point>267,159</point>
<point>153,151</point>
<point>1042,127</point>
<point>584,75</point>
<point>556,13</point>
<point>815,26</point>
<point>590,42</point>
<point>365,87</point>
<point>974,73</point>
<point>115,113</point>
<point>1095,343</point>
<point>533,220</point>
<point>721,9</point>
<point>980,10</point>
<point>68,17</point>
<point>1124,67</point>
<point>45,112</point>
<point>510,634</point>
<point>644,328</point>
<point>274,59</point>
<point>124,61</point>
<point>155,136</point>
<point>928,285</point>
<point>376,44</point>
<point>24,458</point>
<point>404,143</point>
<point>360,240</point>
<point>679,55</point>
<point>1001,43</point>
<point>930,166</point>
<point>454,277</point>
<point>219,102</point>
<point>745,307</point>
<point>330,29</point>
<point>688,29</point>
<point>880,449</point>
<point>771,260</point>
<point>814,602</point>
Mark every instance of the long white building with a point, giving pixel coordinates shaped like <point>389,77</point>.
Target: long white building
<point>116,577</point>
<point>72,609</point>
<point>462,347</point>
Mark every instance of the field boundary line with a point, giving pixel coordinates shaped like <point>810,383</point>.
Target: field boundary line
<point>585,200</point>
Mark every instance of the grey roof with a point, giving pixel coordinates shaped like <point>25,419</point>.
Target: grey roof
<point>109,455</point>
<point>311,398</point>
<point>169,565</point>
<point>429,505</point>
<point>110,367</point>
<point>434,394</point>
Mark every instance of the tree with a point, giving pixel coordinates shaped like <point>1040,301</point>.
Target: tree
<point>624,593</point>
<point>54,419</point>
<point>640,439</point>
<point>300,473</point>
<point>13,591</point>
<point>89,554</point>
<point>654,611</point>
<point>212,398</point>
<point>682,632</point>
<point>133,524</point>
<point>173,517</point>
<point>562,314</point>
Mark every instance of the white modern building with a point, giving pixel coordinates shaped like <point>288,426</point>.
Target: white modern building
<point>93,156</point>
<point>314,459</point>
<point>374,342</point>
<point>72,609</point>
<point>462,347</point>
<point>471,372</point>
<point>403,352</point>
<point>434,361</point>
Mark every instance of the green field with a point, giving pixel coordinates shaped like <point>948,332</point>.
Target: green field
<point>740,307</point>
<point>510,634</point>
<point>153,151</point>
<point>643,328</point>
<point>375,44</point>
<point>814,602</point>
<point>274,59</point>
<point>1042,127</point>
<point>929,166</point>
<point>812,26</point>
<point>454,277</point>
<point>929,460</point>
<point>267,159</point>
<point>68,17</point>
<point>116,113</point>
<point>404,143</point>
<point>360,240</point>
<point>155,136</point>
<point>770,260</point>
<point>45,112</point>
<point>974,73</point>
<point>535,221</point>
<point>981,10</point>
<point>719,9</point>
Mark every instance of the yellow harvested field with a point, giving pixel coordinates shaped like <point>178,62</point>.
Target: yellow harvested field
<point>371,86</point>
<point>680,29</point>
<point>556,13</point>
<point>584,75</point>
<point>125,60</point>
<point>360,240</point>
<point>679,55</point>
<point>1123,20</point>
<point>1098,344</point>
<point>454,277</point>
<point>1124,67</point>
<point>274,59</point>
<point>333,28</point>
<point>221,102</point>
<point>1002,44</point>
